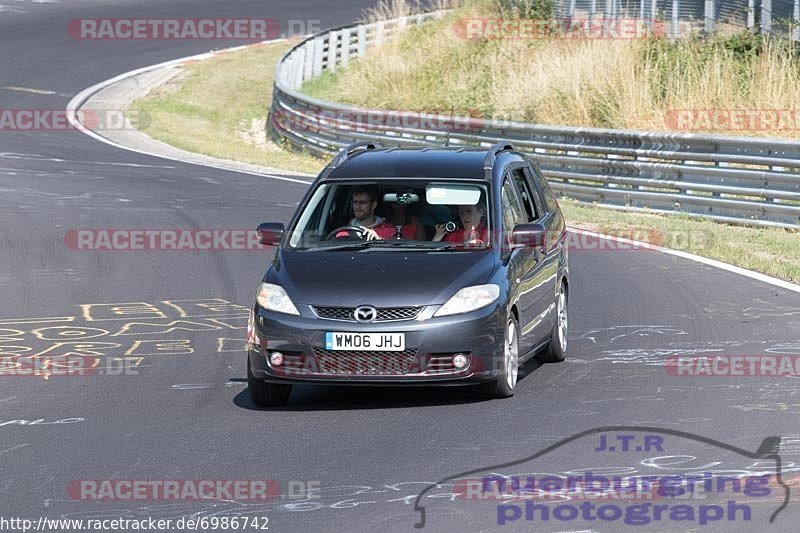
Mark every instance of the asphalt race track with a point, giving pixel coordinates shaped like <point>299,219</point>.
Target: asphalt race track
<point>342,459</point>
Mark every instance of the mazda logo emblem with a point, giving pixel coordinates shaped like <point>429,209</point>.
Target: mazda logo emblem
<point>365,313</point>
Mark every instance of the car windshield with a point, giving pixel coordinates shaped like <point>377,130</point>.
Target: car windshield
<point>394,215</point>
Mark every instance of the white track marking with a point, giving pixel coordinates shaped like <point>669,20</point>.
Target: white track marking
<point>81,97</point>
<point>27,90</point>
<point>704,260</point>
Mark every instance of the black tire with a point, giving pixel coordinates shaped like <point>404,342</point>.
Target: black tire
<point>503,387</point>
<point>265,394</point>
<point>556,350</point>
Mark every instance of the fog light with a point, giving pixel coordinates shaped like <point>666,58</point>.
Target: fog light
<point>460,361</point>
<point>276,358</point>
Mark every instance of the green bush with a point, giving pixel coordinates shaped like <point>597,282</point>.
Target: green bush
<point>532,9</point>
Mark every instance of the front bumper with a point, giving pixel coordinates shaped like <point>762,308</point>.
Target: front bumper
<point>430,345</point>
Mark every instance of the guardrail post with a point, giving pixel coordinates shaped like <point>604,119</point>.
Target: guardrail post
<point>653,8</point>
<point>796,21</point>
<point>361,43</point>
<point>316,62</point>
<point>676,30</point>
<point>751,14</point>
<point>766,16</point>
<point>299,68</point>
<point>308,60</point>
<point>592,11</point>
<point>571,14</point>
<point>380,31</point>
<point>333,41</point>
<point>641,12</point>
<point>345,47</point>
<point>708,16</point>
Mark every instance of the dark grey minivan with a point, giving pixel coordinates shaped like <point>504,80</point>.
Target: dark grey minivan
<point>410,266</point>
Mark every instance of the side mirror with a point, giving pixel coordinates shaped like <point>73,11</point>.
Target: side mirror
<point>530,235</point>
<point>270,233</point>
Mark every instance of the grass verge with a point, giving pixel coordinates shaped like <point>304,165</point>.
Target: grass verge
<point>218,107</point>
<point>775,252</point>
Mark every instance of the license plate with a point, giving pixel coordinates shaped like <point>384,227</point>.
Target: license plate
<point>384,342</point>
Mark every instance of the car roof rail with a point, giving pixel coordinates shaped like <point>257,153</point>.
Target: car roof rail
<point>496,150</point>
<point>351,149</point>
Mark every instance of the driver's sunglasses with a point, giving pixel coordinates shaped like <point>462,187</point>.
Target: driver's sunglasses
<point>361,202</point>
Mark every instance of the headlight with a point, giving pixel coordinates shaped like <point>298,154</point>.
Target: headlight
<point>469,299</point>
<point>274,298</point>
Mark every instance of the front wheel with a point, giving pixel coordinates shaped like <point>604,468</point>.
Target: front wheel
<point>506,381</point>
<point>266,394</point>
<point>556,350</point>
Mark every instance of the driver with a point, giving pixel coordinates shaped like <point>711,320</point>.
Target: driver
<point>365,200</point>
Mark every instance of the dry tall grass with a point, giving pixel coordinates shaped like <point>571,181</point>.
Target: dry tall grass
<point>392,9</point>
<point>604,83</point>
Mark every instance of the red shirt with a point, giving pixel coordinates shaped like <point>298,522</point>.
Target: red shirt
<point>460,236</point>
<point>386,230</point>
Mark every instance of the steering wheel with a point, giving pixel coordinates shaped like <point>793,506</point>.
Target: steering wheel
<point>352,231</point>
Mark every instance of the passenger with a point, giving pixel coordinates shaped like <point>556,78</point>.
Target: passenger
<point>473,230</point>
<point>412,227</point>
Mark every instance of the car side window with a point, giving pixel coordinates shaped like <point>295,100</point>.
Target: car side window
<point>529,199</point>
<point>512,210</point>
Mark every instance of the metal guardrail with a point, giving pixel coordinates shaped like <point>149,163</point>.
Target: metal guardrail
<point>732,179</point>
<point>776,17</point>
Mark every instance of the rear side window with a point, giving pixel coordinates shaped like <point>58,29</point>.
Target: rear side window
<point>529,199</point>
<point>512,211</point>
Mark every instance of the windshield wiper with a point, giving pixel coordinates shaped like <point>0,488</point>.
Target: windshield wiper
<point>399,243</point>
<point>349,246</point>
<point>393,244</point>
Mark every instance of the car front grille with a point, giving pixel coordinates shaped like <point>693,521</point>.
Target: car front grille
<point>384,314</point>
<point>367,363</point>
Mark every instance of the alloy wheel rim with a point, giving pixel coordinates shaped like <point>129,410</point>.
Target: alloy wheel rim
<point>511,355</point>
<point>563,320</point>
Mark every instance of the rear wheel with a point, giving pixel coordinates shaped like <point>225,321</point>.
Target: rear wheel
<point>265,394</point>
<point>557,347</point>
<point>506,381</point>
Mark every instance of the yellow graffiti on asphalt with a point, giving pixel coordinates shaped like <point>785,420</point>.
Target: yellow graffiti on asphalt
<point>129,331</point>
<point>225,345</point>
